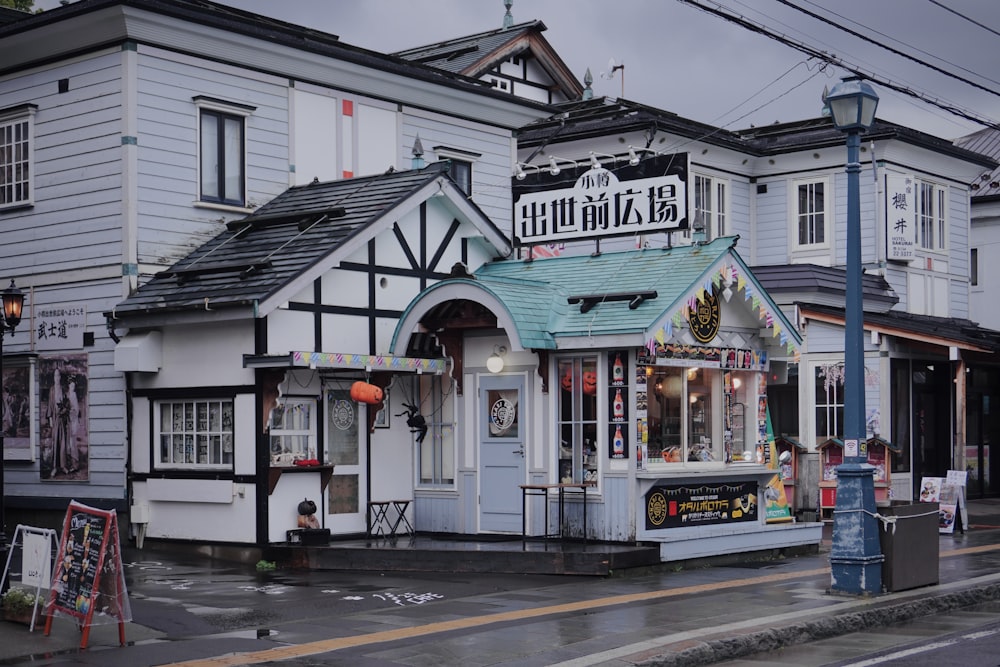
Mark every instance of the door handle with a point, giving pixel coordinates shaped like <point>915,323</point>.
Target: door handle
<point>519,451</point>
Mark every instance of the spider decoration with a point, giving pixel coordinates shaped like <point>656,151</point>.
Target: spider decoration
<point>415,421</point>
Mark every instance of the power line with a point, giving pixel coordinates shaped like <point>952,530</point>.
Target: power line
<point>897,52</point>
<point>960,15</point>
<point>833,60</point>
<point>910,46</point>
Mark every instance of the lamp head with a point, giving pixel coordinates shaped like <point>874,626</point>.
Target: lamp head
<point>852,104</point>
<point>13,302</point>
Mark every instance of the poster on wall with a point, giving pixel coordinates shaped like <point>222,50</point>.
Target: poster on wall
<point>776,509</point>
<point>18,407</point>
<point>618,410</point>
<point>680,506</point>
<point>63,418</point>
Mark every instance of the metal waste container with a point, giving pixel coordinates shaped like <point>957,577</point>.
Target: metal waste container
<point>911,549</point>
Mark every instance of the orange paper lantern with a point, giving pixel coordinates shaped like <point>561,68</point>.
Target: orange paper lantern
<point>363,392</point>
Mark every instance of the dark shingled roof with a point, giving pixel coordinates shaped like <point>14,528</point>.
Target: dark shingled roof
<point>987,142</point>
<point>460,54</point>
<point>259,254</point>
<point>788,279</point>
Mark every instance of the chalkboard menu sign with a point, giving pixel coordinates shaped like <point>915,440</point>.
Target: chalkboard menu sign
<point>88,576</point>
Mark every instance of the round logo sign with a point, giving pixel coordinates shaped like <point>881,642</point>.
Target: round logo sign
<point>704,318</point>
<point>342,414</point>
<point>502,414</point>
<point>656,508</point>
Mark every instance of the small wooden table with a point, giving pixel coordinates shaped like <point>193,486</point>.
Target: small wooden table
<point>543,490</point>
<point>386,523</point>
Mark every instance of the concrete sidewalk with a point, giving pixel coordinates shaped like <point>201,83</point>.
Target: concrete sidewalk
<point>690,616</point>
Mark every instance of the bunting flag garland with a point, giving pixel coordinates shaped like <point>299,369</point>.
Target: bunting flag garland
<point>728,275</point>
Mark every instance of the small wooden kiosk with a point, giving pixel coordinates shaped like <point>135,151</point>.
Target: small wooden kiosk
<point>831,455</point>
<point>790,469</point>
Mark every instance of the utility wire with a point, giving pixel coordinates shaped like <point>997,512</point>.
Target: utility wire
<point>827,57</point>
<point>972,21</point>
<point>887,48</point>
<point>915,48</point>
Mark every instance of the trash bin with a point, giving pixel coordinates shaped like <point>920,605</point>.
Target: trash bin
<point>911,550</point>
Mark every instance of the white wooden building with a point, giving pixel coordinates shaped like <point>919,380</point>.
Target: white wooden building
<point>138,132</point>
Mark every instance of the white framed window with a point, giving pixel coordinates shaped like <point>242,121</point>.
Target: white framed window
<point>222,151</point>
<point>292,430</point>
<point>829,394</point>
<point>436,450</point>
<point>16,146</point>
<point>196,433</point>
<point>811,213</point>
<point>460,168</point>
<point>711,204</point>
<point>932,233</point>
<point>578,453</point>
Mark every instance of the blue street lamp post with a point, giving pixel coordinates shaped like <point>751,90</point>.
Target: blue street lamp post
<point>855,555</point>
<point>10,317</point>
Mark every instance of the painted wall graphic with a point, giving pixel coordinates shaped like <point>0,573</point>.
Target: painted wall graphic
<point>63,417</point>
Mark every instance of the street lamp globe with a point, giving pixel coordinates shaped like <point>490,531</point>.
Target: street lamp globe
<point>13,301</point>
<point>852,104</point>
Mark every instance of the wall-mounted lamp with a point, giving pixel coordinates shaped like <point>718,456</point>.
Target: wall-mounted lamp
<point>554,164</point>
<point>494,363</point>
<point>519,170</point>
<point>595,163</point>
<point>633,154</point>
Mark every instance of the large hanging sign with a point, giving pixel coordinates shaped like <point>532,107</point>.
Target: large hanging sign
<point>640,199</point>
<point>900,218</point>
<point>679,506</point>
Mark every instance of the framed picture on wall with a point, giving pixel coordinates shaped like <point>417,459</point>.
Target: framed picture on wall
<point>382,416</point>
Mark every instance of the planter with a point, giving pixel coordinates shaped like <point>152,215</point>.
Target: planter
<point>23,616</point>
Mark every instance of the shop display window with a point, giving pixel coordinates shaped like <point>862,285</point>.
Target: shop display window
<point>685,412</point>
<point>578,455</point>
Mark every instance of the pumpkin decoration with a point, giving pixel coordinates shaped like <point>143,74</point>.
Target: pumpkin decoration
<point>364,392</point>
<point>566,382</point>
<point>589,383</point>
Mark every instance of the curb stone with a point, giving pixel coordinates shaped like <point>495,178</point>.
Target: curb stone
<point>752,643</point>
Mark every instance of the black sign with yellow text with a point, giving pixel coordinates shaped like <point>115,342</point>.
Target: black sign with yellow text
<point>677,506</point>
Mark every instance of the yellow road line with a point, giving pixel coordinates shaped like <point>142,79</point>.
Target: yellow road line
<point>338,643</point>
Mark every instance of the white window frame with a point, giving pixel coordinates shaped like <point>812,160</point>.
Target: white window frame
<point>459,156</point>
<point>932,217</point>
<point>187,433</point>
<point>799,216</point>
<point>291,437</point>
<point>715,213</point>
<point>17,160</point>
<point>223,109</point>
<point>437,453</point>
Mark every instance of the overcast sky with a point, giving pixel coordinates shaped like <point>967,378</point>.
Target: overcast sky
<point>682,59</point>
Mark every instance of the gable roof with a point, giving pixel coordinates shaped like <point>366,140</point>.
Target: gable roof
<point>601,117</point>
<point>476,55</point>
<point>567,301</point>
<point>262,260</point>
<point>987,142</point>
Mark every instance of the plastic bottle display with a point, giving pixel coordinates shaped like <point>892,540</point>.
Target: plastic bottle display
<point>618,443</point>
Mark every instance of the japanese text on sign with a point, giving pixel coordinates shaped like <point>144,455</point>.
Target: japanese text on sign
<point>599,204</point>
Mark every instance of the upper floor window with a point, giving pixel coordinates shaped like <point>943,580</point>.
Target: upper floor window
<point>195,433</point>
<point>974,267</point>
<point>810,213</point>
<point>222,151</point>
<point>710,205</point>
<point>15,155</point>
<point>931,230</point>
<point>460,168</point>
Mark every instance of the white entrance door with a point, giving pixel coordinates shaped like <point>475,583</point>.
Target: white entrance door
<point>343,431</point>
<point>501,453</point>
